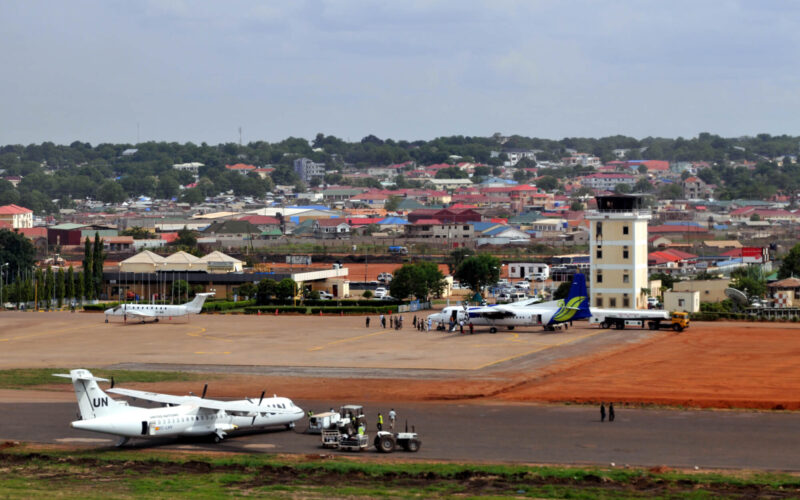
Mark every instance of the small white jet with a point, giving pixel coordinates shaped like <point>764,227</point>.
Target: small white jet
<point>180,415</point>
<point>522,313</point>
<point>144,312</point>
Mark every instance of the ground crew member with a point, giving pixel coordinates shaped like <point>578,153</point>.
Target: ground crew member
<point>367,321</point>
<point>602,412</point>
<point>383,321</point>
<point>392,416</point>
<point>361,430</point>
<point>380,421</point>
<point>471,328</point>
<point>610,412</point>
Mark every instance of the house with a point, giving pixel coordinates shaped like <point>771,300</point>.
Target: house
<point>504,235</point>
<point>607,182</point>
<point>331,228</point>
<point>118,243</point>
<point>19,217</point>
<point>219,262</point>
<point>436,229</point>
<point>457,215</point>
<point>262,222</point>
<point>307,170</point>
<point>694,188</point>
<point>241,168</point>
<point>191,167</point>
<point>235,229</point>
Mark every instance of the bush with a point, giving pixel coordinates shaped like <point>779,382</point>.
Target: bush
<point>271,309</point>
<point>227,305</point>
<point>367,294</point>
<point>100,307</point>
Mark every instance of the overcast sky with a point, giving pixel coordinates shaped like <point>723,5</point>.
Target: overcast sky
<point>196,70</point>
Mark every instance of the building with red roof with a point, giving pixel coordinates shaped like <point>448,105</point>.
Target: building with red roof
<point>242,168</point>
<point>17,216</point>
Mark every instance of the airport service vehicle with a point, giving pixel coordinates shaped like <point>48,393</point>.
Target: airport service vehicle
<point>654,320</point>
<point>144,312</point>
<point>180,415</point>
<point>386,442</point>
<point>349,431</point>
<point>530,312</point>
<point>322,421</point>
<point>396,250</point>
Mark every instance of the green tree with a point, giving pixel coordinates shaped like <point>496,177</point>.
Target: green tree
<point>179,291</point>
<point>138,233</point>
<point>61,288</point>
<point>457,256</point>
<point>562,292</point>
<point>39,288</point>
<point>285,289</point>
<point>98,259</point>
<point>478,271</point>
<point>88,270</point>
<point>248,290</point>
<point>111,192</point>
<point>666,279</point>
<point>17,251</point>
<point>420,279</point>
<point>79,293</point>
<point>392,203</point>
<point>622,188</point>
<point>790,263</point>
<point>186,238</point>
<point>547,183</point>
<point>670,192</point>
<point>643,185</point>
<point>70,284</point>
<point>49,287</point>
<point>576,206</point>
<point>265,291</point>
<point>750,280</point>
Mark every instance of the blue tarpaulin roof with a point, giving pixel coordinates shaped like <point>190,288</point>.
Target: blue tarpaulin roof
<point>393,220</point>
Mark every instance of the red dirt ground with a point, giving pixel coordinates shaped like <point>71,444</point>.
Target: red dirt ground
<point>711,365</point>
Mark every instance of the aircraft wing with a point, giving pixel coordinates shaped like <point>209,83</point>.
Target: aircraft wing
<point>211,404</point>
<point>140,314</point>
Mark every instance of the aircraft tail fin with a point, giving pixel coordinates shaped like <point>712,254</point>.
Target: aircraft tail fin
<point>196,305</point>
<point>92,401</point>
<point>576,305</point>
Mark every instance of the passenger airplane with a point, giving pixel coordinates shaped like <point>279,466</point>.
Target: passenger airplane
<point>180,415</point>
<point>545,314</point>
<point>154,311</point>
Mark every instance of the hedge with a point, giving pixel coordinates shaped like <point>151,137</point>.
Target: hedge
<point>335,302</point>
<point>227,305</point>
<point>333,311</point>
<point>100,307</point>
<point>271,309</point>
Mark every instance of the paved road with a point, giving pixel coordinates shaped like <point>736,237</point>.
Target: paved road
<point>503,433</point>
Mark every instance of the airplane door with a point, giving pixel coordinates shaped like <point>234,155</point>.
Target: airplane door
<point>145,428</point>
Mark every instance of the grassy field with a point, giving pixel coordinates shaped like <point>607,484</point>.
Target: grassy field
<point>27,378</point>
<point>29,473</point>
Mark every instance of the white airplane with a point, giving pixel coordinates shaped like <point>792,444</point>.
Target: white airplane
<point>181,415</point>
<point>523,313</point>
<point>144,312</point>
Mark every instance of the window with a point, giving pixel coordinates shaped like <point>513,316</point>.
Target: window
<point>626,278</point>
<point>681,302</point>
<point>599,278</point>
<point>624,229</point>
<point>626,302</point>
<point>624,252</point>
<point>598,302</point>
<point>466,228</point>
<point>599,254</point>
<point>612,302</point>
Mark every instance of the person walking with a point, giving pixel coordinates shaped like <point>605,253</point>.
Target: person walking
<point>367,321</point>
<point>414,321</point>
<point>380,421</point>
<point>383,321</point>
<point>392,417</point>
<point>430,323</point>
<point>602,412</point>
<point>611,412</point>
<point>471,328</point>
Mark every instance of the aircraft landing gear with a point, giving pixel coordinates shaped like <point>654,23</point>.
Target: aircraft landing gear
<point>156,321</point>
<point>510,327</point>
<point>106,320</point>
<point>492,330</point>
<point>122,441</point>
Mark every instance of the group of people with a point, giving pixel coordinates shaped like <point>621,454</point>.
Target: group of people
<point>611,414</point>
<point>392,418</point>
<point>396,322</point>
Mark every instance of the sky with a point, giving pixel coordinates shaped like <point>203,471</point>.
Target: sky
<point>124,71</point>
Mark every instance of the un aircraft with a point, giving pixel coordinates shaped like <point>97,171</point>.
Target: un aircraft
<point>180,415</point>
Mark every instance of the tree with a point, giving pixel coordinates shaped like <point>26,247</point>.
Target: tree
<point>186,238</point>
<point>576,206</point>
<point>666,279</point>
<point>547,183</point>
<point>247,290</point>
<point>39,291</point>
<point>285,289</point>
<point>478,271</point>
<point>367,294</point>
<point>790,264</point>
<point>98,259</point>
<point>622,188</point>
<point>179,289</point>
<point>643,185</point>
<point>750,280</point>
<point>79,287</point>
<point>70,284</point>
<point>562,292</point>
<point>111,192</point>
<point>642,169</point>
<point>392,203</point>
<point>265,291</point>
<point>88,270</point>
<point>457,256</point>
<point>61,287</point>
<point>420,279</point>
<point>670,192</point>
<point>49,287</point>
<point>138,233</point>
<point>17,251</point>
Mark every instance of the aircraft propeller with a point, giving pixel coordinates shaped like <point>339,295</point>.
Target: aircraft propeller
<point>259,404</point>
<point>205,388</point>
<point>112,382</point>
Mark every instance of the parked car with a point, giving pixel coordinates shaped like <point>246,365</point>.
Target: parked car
<point>323,295</point>
<point>523,285</point>
<point>380,292</point>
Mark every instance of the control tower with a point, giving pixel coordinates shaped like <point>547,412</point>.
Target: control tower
<point>618,252</point>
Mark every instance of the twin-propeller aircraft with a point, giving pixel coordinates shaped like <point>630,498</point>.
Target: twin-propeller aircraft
<point>180,415</point>
<point>523,313</point>
<point>143,312</point>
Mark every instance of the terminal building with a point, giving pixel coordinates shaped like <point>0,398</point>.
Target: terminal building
<point>618,252</point>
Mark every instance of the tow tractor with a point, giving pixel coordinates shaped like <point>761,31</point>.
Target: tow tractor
<point>349,431</point>
<point>386,442</point>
